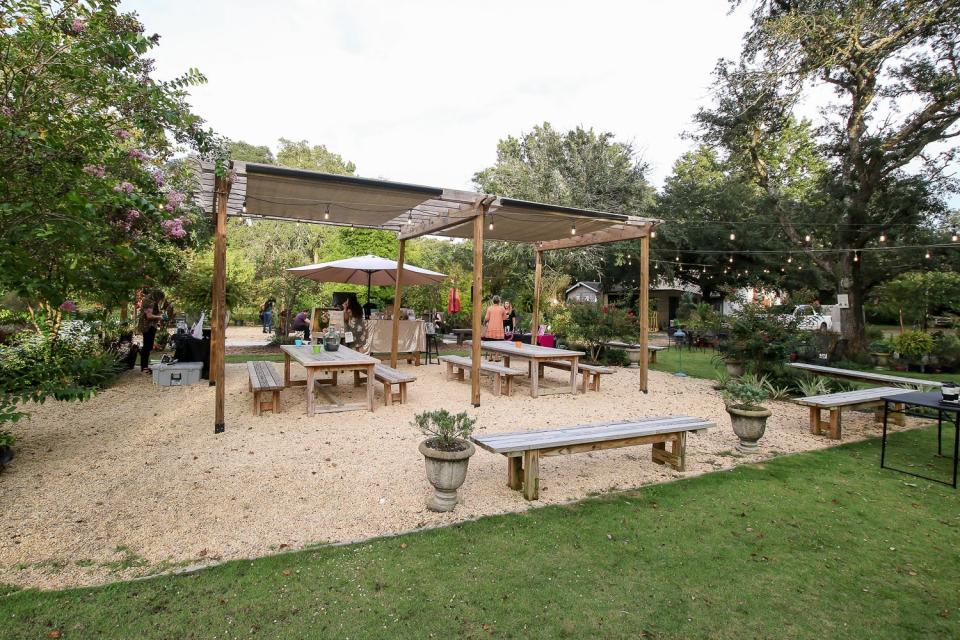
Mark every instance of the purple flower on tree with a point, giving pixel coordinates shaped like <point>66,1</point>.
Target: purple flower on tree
<point>78,26</point>
<point>174,228</point>
<point>68,305</point>
<point>95,170</point>
<point>124,187</point>
<point>123,134</point>
<point>137,154</point>
<point>159,178</point>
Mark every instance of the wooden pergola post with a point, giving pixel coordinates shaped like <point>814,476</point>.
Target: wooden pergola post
<point>644,313</point>
<point>218,321</point>
<point>477,301</point>
<point>537,275</point>
<point>394,340</point>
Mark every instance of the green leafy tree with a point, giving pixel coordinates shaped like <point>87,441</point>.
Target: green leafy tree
<point>194,288</point>
<point>594,325</point>
<point>918,295</point>
<point>90,204</point>
<point>893,70</point>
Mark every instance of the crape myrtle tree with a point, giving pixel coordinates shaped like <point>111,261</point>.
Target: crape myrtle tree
<point>887,135</point>
<point>578,168</point>
<point>90,205</point>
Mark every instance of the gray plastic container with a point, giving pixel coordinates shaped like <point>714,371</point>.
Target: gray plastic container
<point>176,374</point>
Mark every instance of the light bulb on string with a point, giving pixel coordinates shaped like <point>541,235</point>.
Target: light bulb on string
<point>954,237</point>
<point>730,260</point>
<point>733,236</point>
<point>573,229</point>
<point>807,237</point>
<point>883,237</point>
<point>927,254</point>
<point>410,217</point>
<point>244,208</point>
<point>653,234</point>
<point>856,256</point>
<point>677,259</point>
<point>326,214</point>
<point>490,226</point>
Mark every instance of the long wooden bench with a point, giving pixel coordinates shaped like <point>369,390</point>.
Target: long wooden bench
<point>524,449</point>
<point>590,373</point>
<point>836,402</point>
<point>502,376</point>
<point>389,377</point>
<point>264,378</point>
<point>652,349</point>
<point>863,376</point>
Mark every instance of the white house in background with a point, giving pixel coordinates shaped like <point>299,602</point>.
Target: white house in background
<point>585,292</point>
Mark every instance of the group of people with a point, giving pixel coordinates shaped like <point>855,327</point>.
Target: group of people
<point>501,320</point>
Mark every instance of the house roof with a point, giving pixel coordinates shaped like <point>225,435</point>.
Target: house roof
<point>596,287</point>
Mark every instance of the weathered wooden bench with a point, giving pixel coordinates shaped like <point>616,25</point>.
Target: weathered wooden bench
<point>502,376</point>
<point>590,373</point>
<point>264,379</point>
<point>524,449</point>
<point>836,402</point>
<point>863,376</point>
<point>389,377</point>
<point>652,349</point>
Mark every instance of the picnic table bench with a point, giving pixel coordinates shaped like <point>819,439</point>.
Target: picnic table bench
<point>652,349</point>
<point>836,402</point>
<point>863,376</point>
<point>590,373</point>
<point>264,379</point>
<point>389,377</point>
<point>524,449</point>
<point>502,376</point>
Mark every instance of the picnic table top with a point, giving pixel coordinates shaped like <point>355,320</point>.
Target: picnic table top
<point>524,350</point>
<point>342,356</point>
<point>847,398</point>
<point>866,376</point>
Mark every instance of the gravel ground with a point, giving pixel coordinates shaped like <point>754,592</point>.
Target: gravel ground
<point>134,482</point>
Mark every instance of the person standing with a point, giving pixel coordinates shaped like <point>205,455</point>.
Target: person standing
<point>266,314</point>
<point>150,318</point>
<point>511,323</point>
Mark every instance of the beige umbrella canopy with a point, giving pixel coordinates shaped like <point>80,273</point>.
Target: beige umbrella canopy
<point>369,270</point>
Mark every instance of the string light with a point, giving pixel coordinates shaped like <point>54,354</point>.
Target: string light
<point>244,208</point>
<point>927,255</point>
<point>790,259</point>
<point>856,257</point>
<point>807,237</point>
<point>653,234</point>
<point>573,229</point>
<point>953,238</point>
<point>677,259</point>
<point>883,237</point>
<point>733,236</point>
<point>326,214</point>
<point>730,260</point>
<point>490,226</point>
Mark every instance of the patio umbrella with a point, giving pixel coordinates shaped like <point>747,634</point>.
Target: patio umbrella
<point>369,270</point>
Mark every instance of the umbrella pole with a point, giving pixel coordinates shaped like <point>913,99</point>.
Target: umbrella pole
<point>369,276</point>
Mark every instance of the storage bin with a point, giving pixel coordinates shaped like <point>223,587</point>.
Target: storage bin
<point>176,374</point>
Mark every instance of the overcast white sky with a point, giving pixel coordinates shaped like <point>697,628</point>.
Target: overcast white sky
<point>421,91</point>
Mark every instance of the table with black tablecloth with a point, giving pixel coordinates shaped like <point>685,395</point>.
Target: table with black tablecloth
<point>911,403</point>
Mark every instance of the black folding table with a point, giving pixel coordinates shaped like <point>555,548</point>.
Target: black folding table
<point>915,401</point>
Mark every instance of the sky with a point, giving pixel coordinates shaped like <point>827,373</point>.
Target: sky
<point>421,91</point>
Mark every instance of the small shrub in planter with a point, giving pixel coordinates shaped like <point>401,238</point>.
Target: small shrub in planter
<point>913,345</point>
<point>446,454</point>
<point>748,416</point>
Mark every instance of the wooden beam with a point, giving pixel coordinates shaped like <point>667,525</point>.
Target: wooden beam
<point>396,307</point>
<point>221,191</point>
<point>537,286</point>
<point>643,310</point>
<point>604,236</point>
<point>477,301</point>
<point>453,218</point>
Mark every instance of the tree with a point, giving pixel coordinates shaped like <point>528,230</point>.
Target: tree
<point>316,158</point>
<point>577,168</point>
<point>893,70</point>
<point>246,152</point>
<point>917,295</point>
<point>90,204</point>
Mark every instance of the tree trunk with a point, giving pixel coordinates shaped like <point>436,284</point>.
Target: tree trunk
<point>854,329</point>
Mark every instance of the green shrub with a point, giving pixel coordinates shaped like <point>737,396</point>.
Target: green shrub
<point>595,325</point>
<point>615,357</point>
<point>745,394</point>
<point>913,345</point>
<point>7,439</point>
<point>881,345</point>
<point>760,338</point>
<point>873,332</point>
<point>445,428</point>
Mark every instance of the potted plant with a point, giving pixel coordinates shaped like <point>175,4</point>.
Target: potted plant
<point>881,350</point>
<point>446,453</point>
<point>748,416</point>
<point>7,441</point>
<point>913,346</point>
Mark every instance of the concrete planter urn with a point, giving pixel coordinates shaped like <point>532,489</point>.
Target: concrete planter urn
<point>446,471</point>
<point>749,424</point>
<point>633,357</point>
<point>734,367</point>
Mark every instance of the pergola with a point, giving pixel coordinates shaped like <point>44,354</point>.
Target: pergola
<point>411,211</point>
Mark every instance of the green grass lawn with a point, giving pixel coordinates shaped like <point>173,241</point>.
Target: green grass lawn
<point>818,545</point>
<point>696,363</point>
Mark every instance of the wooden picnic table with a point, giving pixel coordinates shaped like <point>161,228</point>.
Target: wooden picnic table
<point>333,362</point>
<point>536,355</point>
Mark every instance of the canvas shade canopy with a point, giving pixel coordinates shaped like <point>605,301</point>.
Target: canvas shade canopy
<point>368,270</point>
<point>270,192</point>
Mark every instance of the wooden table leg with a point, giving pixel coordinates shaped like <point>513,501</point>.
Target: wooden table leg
<point>286,369</point>
<point>356,378</point>
<point>311,401</point>
<point>573,376</point>
<point>535,380</point>
<point>371,396</point>
<point>515,473</point>
<point>815,420</point>
<point>653,357</point>
<point>531,475</point>
<point>835,425</point>
<point>506,361</point>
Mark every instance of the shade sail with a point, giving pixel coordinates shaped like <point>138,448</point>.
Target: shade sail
<point>367,270</point>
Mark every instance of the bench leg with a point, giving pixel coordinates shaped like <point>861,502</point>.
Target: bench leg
<point>509,390</point>
<point>460,374</point>
<point>356,378</point>
<point>596,382</point>
<point>515,473</point>
<point>387,394</point>
<point>583,382</point>
<point>403,393</point>
<point>653,357</point>
<point>899,418</point>
<point>531,475</point>
<point>659,453</point>
<point>815,420</point>
<point>497,384</point>
<point>256,403</point>
<point>449,372</point>
<point>276,401</point>
<point>678,448</point>
<point>835,425</point>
